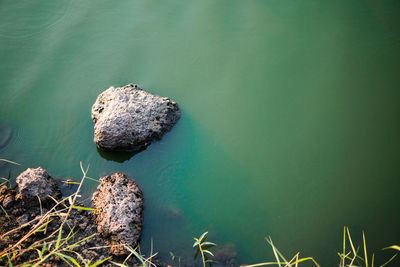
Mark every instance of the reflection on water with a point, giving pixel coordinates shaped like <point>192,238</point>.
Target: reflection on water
<point>26,18</point>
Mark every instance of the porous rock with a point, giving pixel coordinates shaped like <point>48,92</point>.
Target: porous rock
<point>128,118</point>
<point>119,205</point>
<point>34,183</point>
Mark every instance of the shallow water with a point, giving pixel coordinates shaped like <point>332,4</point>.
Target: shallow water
<point>289,121</point>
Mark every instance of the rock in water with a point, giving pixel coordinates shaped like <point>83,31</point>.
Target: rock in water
<point>128,118</point>
<point>119,205</point>
<point>34,183</point>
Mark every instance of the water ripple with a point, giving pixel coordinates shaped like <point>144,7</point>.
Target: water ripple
<point>14,24</point>
<point>6,134</point>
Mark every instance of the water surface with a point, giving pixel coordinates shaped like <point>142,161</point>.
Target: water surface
<point>290,114</point>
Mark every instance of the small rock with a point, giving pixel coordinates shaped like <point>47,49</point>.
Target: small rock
<point>34,183</point>
<point>173,212</point>
<point>128,118</point>
<point>226,256</point>
<point>7,196</point>
<point>119,201</point>
<point>24,218</point>
<point>8,201</point>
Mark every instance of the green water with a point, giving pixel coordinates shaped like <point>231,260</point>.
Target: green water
<point>290,114</point>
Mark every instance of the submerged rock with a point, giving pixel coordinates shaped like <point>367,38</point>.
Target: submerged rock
<point>226,256</point>
<point>119,205</point>
<point>34,183</point>
<point>172,212</point>
<point>128,118</point>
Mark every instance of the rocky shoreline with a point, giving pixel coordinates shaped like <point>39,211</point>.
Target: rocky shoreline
<point>115,222</point>
<point>40,226</point>
<point>38,219</point>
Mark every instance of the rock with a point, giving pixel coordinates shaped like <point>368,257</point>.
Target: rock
<point>24,218</point>
<point>119,204</point>
<point>173,212</point>
<point>15,215</point>
<point>34,183</point>
<point>6,196</point>
<point>226,256</point>
<point>128,118</point>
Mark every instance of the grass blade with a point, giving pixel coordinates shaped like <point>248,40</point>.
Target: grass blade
<point>84,208</point>
<point>67,258</point>
<point>119,264</point>
<point>269,240</point>
<point>9,261</point>
<point>92,179</point>
<point>59,238</point>
<point>352,247</point>
<point>392,258</point>
<point>42,226</point>
<point>8,217</point>
<point>9,161</point>
<point>202,237</point>
<point>99,262</point>
<point>365,250</point>
<point>395,247</point>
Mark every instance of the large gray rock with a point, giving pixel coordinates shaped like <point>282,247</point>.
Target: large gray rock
<point>34,183</point>
<point>128,118</point>
<point>119,205</point>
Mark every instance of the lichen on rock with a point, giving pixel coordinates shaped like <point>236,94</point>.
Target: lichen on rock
<point>128,118</point>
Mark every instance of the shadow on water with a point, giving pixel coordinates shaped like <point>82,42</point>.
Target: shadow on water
<point>118,156</point>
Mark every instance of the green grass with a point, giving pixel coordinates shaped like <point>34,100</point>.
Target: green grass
<point>202,247</point>
<point>280,260</point>
<point>352,257</point>
<point>349,257</point>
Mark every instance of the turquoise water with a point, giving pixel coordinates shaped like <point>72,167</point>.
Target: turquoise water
<point>290,114</point>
